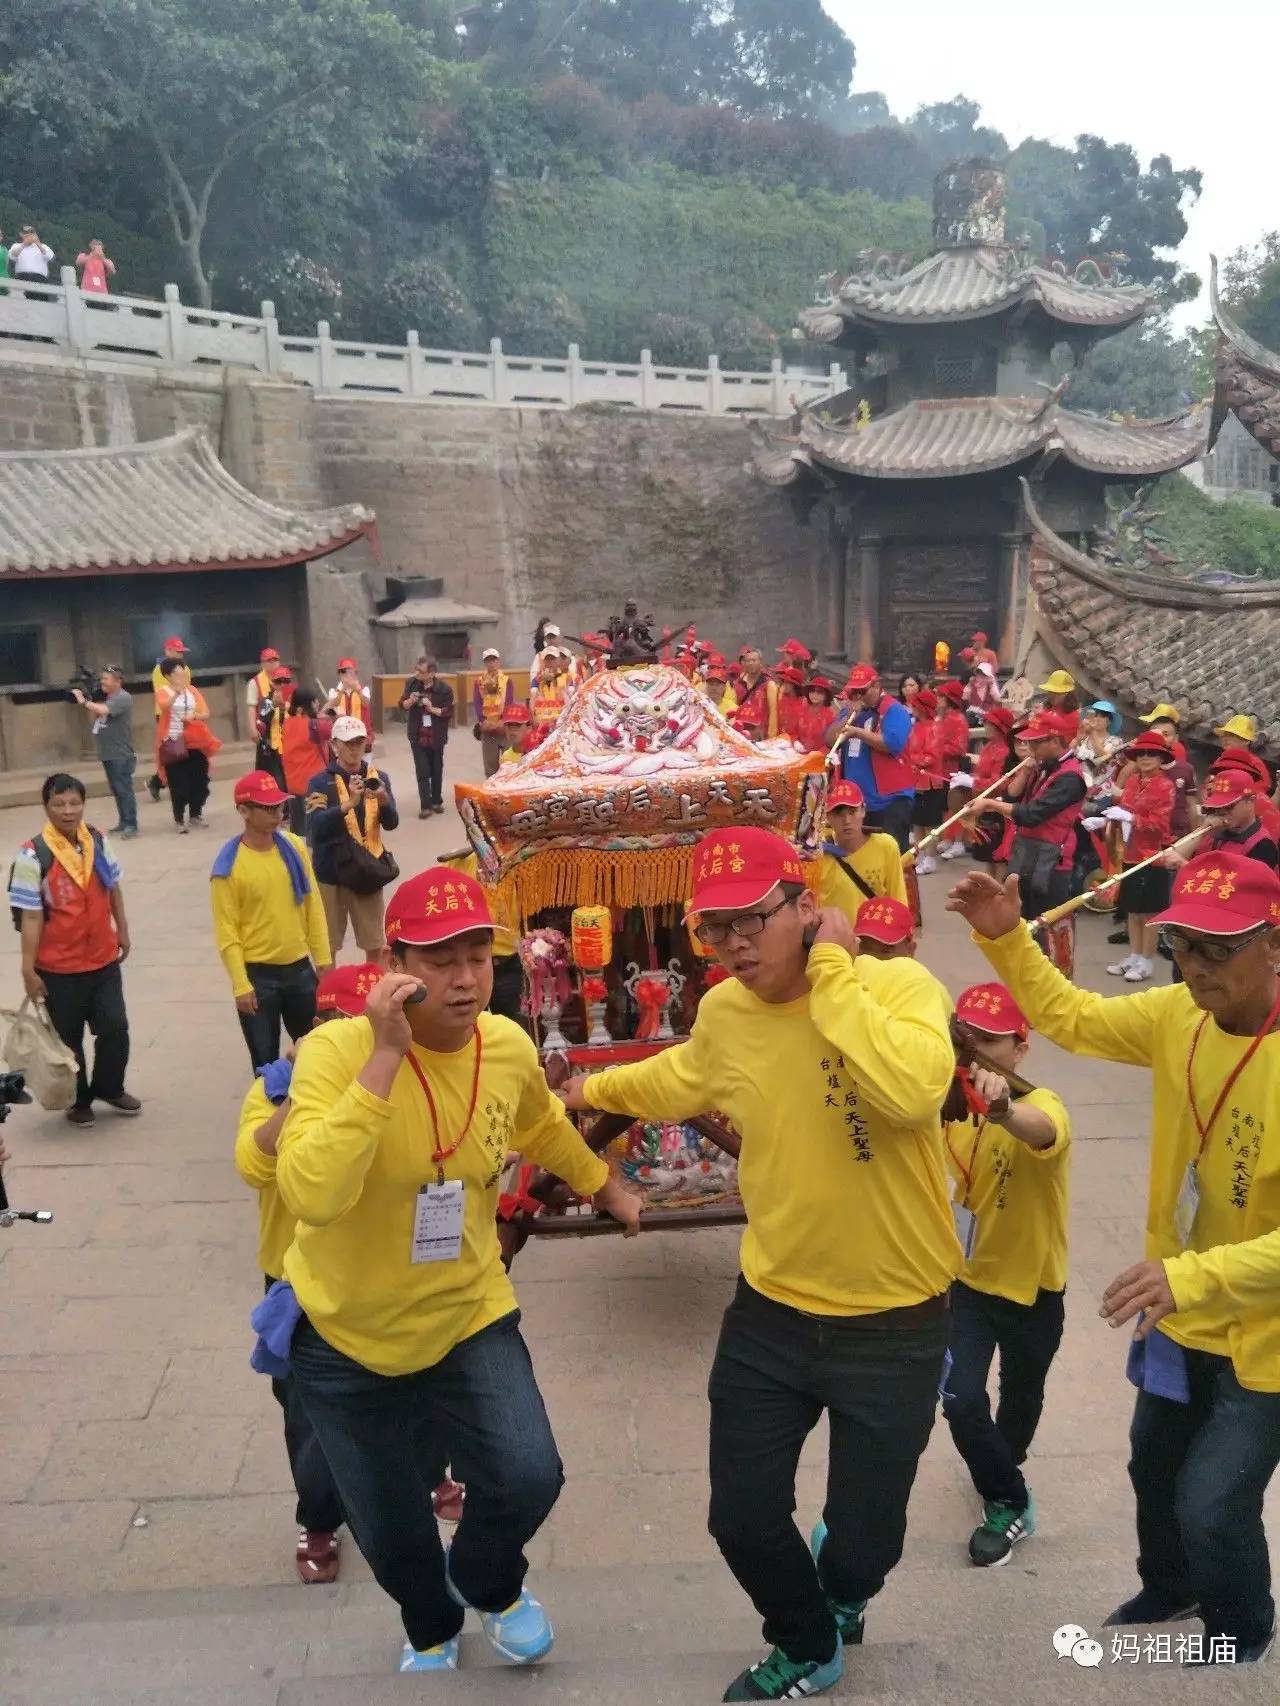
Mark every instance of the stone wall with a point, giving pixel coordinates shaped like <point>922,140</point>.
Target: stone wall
<point>528,511</point>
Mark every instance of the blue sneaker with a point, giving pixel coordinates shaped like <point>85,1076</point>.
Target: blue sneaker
<point>443,1657</point>
<point>777,1677</point>
<point>1002,1527</point>
<point>522,1633</point>
<point>850,1619</point>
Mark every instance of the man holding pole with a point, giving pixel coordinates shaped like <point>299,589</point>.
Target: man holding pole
<point>1205,1436</point>
<point>1045,817</point>
<point>872,751</point>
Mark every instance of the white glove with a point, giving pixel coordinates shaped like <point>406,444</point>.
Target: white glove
<point>962,779</point>
<point>1092,824</point>
<point>1118,814</point>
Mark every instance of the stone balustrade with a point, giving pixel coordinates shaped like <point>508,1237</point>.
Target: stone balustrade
<point>141,330</point>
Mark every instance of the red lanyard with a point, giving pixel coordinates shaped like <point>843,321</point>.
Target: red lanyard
<point>1254,1045</point>
<point>973,1156</point>
<point>439,1154</point>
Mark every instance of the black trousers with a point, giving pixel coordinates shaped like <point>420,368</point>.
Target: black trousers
<point>267,758</point>
<point>1027,1336</point>
<point>508,990</point>
<point>285,993</point>
<point>894,818</point>
<point>428,767</point>
<point>96,999</point>
<point>775,1371</point>
<point>1199,1472</point>
<point>188,785</point>
<point>319,1507</point>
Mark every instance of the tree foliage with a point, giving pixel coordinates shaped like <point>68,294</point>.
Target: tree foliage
<point>1146,370</point>
<point>1250,285</point>
<point>1237,535</point>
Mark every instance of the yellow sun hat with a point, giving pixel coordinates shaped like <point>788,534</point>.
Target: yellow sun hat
<point>1162,713</point>
<point>1243,727</point>
<point>1058,682</point>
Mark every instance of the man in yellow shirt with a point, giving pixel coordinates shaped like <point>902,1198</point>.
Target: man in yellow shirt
<point>342,994</point>
<point>268,921</point>
<point>834,1069</point>
<point>1205,1437</point>
<point>408,1353</point>
<point>856,864</point>
<point>1009,1159</point>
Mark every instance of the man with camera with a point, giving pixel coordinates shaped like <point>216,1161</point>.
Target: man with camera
<point>349,805</point>
<point>112,711</point>
<point>429,703</point>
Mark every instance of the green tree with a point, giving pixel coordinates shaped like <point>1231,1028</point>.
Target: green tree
<point>1145,370</point>
<point>201,87</point>
<point>424,297</point>
<point>1250,284</point>
<point>540,321</point>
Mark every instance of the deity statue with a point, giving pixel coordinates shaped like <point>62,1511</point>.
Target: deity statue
<point>631,637</point>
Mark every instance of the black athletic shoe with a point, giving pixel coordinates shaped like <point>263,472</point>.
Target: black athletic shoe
<point>1152,1605</point>
<point>153,788</point>
<point>82,1114</point>
<point>1118,936</point>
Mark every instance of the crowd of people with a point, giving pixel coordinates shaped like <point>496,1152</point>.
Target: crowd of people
<point>921,1235</point>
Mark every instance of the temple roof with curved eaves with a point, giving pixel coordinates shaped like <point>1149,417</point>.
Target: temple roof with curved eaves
<point>968,284</point>
<point>1247,377</point>
<point>973,435</point>
<point>1138,638</point>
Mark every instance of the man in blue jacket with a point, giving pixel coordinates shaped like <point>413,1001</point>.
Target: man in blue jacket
<point>350,800</point>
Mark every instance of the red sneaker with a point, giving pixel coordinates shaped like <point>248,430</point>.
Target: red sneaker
<point>447,1500</point>
<point>317,1555</point>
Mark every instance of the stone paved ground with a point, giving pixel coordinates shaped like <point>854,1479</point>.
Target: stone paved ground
<point>145,1515</point>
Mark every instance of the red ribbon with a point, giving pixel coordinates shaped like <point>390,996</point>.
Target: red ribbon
<point>594,989</point>
<point>651,997</point>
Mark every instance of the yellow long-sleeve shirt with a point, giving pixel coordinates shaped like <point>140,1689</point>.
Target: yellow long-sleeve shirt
<point>350,1167</point>
<point>836,1096</point>
<point>256,919</point>
<point>1020,1197</point>
<point>878,862</point>
<point>275,1222</point>
<point>1227,1283</point>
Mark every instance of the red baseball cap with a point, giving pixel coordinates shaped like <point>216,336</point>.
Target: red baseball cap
<point>884,920</point>
<point>991,1008</point>
<point>259,788</point>
<point>346,663</point>
<point>282,672</point>
<point>1223,894</point>
<point>978,639</point>
<point>1048,725</point>
<point>268,654</point>
<point>928,698</point>
<point>822,681</point>
<point>1000,717</point>
<point>736,868</point>
<point>1150,742</point>
<point>1223,788</point>
<point>516,713</point>
<point>173,643</point>
<point>952,690</point>
<point>435,906</point>
<point>861,676</point>
<point>844,794</point>
<point>796,649</point>
<point>345,989</point>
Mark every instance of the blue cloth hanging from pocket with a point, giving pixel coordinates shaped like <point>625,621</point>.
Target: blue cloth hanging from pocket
<point>274,1321</point>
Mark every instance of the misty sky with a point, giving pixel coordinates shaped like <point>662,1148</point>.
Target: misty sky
<point>1158,76</point>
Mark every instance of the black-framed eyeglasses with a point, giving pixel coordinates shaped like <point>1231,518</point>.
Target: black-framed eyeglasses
<point>746,924</point>
<point>1215,950</point>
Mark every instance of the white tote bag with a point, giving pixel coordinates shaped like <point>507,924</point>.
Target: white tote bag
<point>34,1048</point>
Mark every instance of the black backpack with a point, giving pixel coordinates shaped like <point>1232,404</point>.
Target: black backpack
<point>44,857</point>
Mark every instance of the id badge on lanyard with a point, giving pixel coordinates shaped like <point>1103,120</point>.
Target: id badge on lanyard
<point>1187,1205</point>
<point>966,1224</point>
<point>437,1223</point>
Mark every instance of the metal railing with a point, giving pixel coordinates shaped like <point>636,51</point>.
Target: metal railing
<point>102,329</point>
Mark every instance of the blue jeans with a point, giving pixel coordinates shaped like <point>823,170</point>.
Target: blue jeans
<point>1199,1471</point>
<point>388,1439</point>
<point>120,781</point>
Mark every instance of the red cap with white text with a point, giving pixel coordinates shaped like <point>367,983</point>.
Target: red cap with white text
<point>991,1008</point>
<point>345,989</point>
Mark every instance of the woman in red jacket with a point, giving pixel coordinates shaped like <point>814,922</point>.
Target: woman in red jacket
<point>815,716</point>
<point>1145,813</point>
<point>953,738</point>
<point>305,751</point>
<point>924,755</point>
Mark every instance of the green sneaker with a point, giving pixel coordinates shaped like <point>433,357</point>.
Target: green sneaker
<point>850,1619</point>
<point>1002,1527</point>
<point>777,1677</point>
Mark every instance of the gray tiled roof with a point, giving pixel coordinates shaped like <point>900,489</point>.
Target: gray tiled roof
<point>168,503</point>
<point>967,284</point>
<point>1247,377</point>
<point>971,435</point>
<point>1139,638</point>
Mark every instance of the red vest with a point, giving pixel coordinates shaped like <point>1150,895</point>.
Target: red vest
<point>1057,828</point>
<point>892,775</point>
<point>1245,847</point>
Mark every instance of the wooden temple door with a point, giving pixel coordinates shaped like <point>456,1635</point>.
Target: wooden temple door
<point>935,591</point>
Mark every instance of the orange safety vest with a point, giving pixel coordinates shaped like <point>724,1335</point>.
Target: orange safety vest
<point>546,705</point>
<point>493,700</point>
